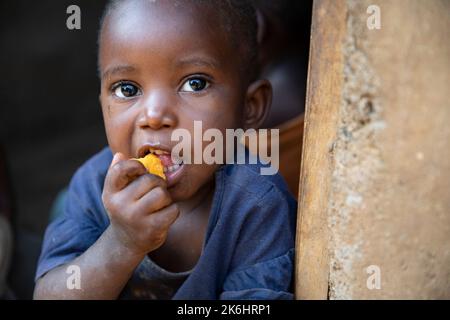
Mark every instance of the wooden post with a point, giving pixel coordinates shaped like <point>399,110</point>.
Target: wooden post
<point>374,203</point>
<point>321,120</point>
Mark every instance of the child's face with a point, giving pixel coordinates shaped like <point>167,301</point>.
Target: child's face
<point>162,67</point>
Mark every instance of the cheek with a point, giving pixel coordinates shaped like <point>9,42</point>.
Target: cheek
<point>220,109</point>
<point>118,128</point>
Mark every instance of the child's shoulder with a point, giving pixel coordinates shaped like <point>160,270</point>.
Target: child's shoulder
<point>98,162</point>
<point>246,195</point>
<point>89,178</point>
<point>94,168</point>
<point>248,180</point>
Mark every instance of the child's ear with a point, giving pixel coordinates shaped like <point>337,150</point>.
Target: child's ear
<point>257,103</point>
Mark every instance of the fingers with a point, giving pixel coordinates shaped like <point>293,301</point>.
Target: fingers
<point>117,158</point>
<point>143,185</point>
<point>154,200</point>
<point>166,217</point>
<point>121,173</point>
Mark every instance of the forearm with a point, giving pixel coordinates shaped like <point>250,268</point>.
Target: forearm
<point>105,268</point>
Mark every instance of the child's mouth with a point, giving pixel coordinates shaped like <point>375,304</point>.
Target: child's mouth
<point>171,169</point>
<point>169,166</point>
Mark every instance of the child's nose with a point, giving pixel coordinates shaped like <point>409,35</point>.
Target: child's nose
<point>158,111</point>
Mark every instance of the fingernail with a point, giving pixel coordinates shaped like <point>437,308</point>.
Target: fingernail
<point>115,158</point>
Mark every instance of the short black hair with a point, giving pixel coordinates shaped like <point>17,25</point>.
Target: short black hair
<point>238,18</point>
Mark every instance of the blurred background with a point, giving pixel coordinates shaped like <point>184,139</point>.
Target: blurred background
<point>50,118</point>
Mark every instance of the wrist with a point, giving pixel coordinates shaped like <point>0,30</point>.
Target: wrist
<point>121,248</point>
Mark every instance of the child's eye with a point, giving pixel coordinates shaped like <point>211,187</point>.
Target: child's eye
<point>125,90</point>
<point>194,85</point>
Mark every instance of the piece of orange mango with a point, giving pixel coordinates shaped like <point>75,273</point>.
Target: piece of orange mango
<point>153,165</point>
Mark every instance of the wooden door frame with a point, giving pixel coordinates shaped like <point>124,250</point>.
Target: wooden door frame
<point>323,102</point>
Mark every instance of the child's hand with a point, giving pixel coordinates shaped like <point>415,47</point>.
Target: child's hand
<point>138,204</point>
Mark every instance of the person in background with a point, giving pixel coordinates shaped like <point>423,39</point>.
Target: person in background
<point>283,38</point>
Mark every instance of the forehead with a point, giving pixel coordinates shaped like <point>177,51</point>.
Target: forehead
<point>174,31</point>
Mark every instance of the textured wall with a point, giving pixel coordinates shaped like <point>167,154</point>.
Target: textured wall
<point>388,199</point>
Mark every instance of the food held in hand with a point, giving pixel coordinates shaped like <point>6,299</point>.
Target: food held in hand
<point>153,165</point>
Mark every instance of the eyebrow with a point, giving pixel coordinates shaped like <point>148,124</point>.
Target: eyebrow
<point>117,69</point>
<point>198,61</point>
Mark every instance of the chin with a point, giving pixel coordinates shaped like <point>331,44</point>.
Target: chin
<point>193,179</point>
<point>181,191</point>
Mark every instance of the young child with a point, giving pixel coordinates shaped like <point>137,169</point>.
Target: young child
<point>209,231</point>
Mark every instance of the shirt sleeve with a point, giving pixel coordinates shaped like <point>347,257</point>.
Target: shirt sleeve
<point>268,280</point>
<point>73,232</point>
<point>262,265</point>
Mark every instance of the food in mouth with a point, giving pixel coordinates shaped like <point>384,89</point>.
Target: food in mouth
<point>153,165</point>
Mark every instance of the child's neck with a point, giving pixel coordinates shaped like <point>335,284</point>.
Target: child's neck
<point>184,243</point>
<point>202,198</point>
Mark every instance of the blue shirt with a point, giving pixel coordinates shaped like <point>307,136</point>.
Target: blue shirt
<point>247,251</point>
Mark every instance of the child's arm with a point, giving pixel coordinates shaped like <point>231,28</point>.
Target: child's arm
<point>104,269</point>
<point>141,212</point>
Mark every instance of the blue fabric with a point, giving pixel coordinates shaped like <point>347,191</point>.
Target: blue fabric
<point>249,245</point>
<point>58,205</point>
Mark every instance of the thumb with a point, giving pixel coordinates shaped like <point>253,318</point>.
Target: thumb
<point>117,158</point>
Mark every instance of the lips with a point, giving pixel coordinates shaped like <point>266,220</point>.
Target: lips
<point>156,149</point>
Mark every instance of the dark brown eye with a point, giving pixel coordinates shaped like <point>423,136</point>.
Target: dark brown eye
<point>126,90</point>
<point>195,85</point>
